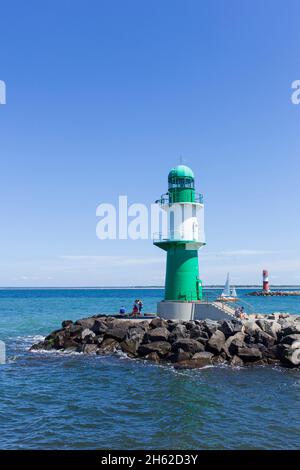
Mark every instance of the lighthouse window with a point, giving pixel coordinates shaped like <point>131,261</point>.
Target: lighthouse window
<point>182,183</point>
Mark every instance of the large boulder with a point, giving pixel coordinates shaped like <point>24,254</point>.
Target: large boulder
<point>289,339</point>
<point>290,328</point>
<point>216,342</point>
<point>189,345</point>
<point>133,340</point>
<point>249,354</point>
<point>158,323</point>
<point>153,356</point>
<point>227,327</point>
<point>292,354</point>
<point>264,338</point>
<point>86,322</point>
<point>108,346</point>
<point>100,326</point>
<point>59,339</point>
<point>272,328</point>
<point>198,332</point>
<point>179,355</point>
<point>236,361</point>
<point>88,336</point>
<point>161,347</point>
<point>118,330</point>
<point>177,332</point>
<point>250,327</point>
<point>90,349</point>
<point>157,334</point>
<point>203,355</point>
<point>210,326</point>
<point>233,343</point>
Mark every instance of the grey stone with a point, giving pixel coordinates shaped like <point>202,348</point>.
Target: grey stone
<point>236,361</point>
<point>289,339</point>
<point>192,363</point>
<point>234,342</point>
<point>108,346</point>
<point>133,340</point>
<point>216,342</point>
<point>180,355</point>
<point>249,354</point>
<point>88,335</point>
<point>188,345</point>
<point>158,334</point>
<point>90,348</point>
<point>158,323</point>
<point>264,338</point>
<point>203,355</point>
<point>86,322</point>
<point>161,347</point>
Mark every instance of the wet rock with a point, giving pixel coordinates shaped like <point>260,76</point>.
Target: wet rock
<point>161,347</point>
<point>216,342</point>
<point>236,361</point>
<point>90,348</point>
<point>203,355</point>
<point>179,356</point>
<point>189,345</point>
<point>108,346</point>
<point>153,356</point>
<point>192,364</point>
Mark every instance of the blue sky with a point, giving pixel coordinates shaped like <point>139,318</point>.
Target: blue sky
<point>102,99</point>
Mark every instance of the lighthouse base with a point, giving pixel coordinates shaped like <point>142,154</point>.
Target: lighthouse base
<point>194,310</point>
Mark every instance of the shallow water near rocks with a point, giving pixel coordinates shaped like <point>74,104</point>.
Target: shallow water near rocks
<point>72,401</point>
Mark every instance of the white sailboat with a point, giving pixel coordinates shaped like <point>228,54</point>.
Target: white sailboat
<point>228,294</point>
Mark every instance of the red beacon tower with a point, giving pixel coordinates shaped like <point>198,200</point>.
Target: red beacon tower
<point>266,285</point>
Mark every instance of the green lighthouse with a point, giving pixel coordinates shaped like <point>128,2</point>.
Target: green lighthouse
<point>181,238</point>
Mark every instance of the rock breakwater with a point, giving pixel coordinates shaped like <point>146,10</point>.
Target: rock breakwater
<point>190,344</point>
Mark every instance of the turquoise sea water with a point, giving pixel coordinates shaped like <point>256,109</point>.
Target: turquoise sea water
<point>60,401</point>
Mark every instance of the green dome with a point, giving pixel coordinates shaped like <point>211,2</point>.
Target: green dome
<point>181,171</point>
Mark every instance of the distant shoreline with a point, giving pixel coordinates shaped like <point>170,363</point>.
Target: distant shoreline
<point>250,286</point>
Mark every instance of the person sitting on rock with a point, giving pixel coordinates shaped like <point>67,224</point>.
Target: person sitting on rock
<point>122,310</point>
<point>140,306</point>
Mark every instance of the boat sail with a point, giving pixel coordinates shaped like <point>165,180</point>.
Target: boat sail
<point>228,294</point>
<point>233,292</point>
